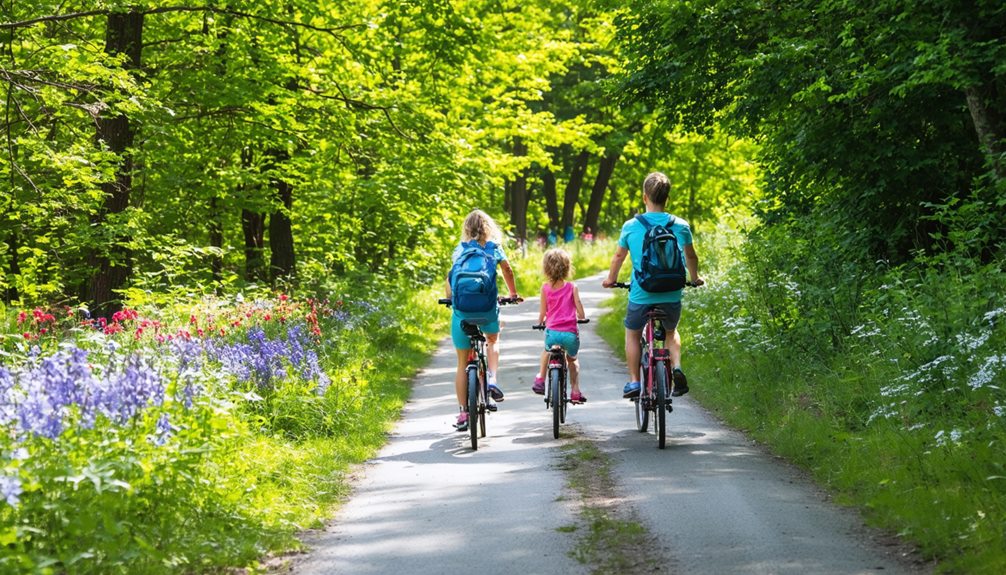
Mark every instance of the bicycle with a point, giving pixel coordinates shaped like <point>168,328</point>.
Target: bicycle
<point>556,397</point>
<point>655,373</point>
<point>478,384</point>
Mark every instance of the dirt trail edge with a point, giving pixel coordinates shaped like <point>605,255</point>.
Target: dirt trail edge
<point>710,503</point>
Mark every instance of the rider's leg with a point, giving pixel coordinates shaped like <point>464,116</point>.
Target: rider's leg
<point>574,373</point>
<point>633,351</point>
<point>543,364</point>
<point>674,348</point>
<point>461,378</point>
<point>492,352</point>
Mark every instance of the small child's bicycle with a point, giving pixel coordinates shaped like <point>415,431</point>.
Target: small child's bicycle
<point>478,384</point>
<point>556,383</point>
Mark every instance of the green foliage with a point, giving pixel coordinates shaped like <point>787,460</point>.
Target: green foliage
<point>887,383</point>
<point>864,112</point>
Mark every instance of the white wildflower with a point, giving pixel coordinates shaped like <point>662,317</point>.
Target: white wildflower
<point>987,372</point>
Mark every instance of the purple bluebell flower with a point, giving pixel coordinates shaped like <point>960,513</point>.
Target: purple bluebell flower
<point>163,430</point>
<point>10,489</point>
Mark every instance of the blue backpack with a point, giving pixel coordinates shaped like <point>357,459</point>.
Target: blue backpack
<point>662,266</point>
<point>473,282</point>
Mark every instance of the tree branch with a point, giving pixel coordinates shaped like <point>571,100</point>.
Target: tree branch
<point>161,10</point>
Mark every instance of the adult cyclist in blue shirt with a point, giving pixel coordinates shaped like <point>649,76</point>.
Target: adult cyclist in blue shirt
<point>656,189</point>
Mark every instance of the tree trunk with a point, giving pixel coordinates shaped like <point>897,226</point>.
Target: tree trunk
<point>573,187</point>
<point>604,172</point>
<point>216,229</point>
<point>519,197</point>
<point>551,199</point>
<point>988,124</point>
<point>123,35</point>
<point>281,262</point>
<point>253,226</point>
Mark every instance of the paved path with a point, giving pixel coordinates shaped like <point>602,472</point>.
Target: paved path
<point>427,504</point>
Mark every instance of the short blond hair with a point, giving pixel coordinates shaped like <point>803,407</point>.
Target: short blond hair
<point>557,264</point>
<point>481,227</point>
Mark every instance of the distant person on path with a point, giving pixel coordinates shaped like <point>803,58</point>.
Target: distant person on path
<point>481,232</point>
<point>588,236</point>
<point>656,188</point>
<point>560,308</point>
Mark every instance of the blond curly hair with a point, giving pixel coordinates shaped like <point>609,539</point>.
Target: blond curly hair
<point>557,265</point>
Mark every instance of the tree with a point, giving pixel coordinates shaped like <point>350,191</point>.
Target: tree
<point>861,110</point>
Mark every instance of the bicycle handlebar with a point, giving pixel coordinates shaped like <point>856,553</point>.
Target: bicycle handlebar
<point>625,285</point>
<point>541,326</point>
<point>500,300</point>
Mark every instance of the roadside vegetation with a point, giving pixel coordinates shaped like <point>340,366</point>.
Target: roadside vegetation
<point>174,172</point>
<point>887,387</point>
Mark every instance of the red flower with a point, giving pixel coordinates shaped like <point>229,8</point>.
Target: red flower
<point>22,317</point>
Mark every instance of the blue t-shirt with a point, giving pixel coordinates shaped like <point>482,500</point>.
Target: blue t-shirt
<point>498,253</point>
<point>632,240</point>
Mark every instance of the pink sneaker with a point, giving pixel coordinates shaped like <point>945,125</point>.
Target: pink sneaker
<point>539,385</point>
<point>577,397</point>
<point>462,424</point>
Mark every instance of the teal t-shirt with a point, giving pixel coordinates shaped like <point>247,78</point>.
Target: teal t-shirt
<point>631,239</point>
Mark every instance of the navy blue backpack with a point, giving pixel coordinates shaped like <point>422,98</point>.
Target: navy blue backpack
<point>473,282</point>
<point>662,266</point>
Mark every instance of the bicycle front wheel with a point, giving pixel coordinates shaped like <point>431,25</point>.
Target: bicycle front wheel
<point>661,376</point>
<point>555,391</point>
<point>473,406</point>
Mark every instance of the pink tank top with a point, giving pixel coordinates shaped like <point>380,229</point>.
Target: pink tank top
<point>561,309</point>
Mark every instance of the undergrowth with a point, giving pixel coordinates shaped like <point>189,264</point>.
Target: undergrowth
<point>886,383</point>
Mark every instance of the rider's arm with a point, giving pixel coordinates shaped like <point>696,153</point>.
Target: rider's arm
<point>448,289</point>
<point>580,314</point>
<point>692,261</point>
<point>508,278</point>
<point>543,308</point>
<point>616,265</point>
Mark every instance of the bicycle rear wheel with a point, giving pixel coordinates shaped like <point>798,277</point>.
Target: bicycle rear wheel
<point>483,402</point>
<point>661,377</point>
<point>564,386</point>
<point>555,393</point>
<point>473,405</point>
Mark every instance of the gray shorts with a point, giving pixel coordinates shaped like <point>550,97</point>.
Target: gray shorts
<point>635,315</point>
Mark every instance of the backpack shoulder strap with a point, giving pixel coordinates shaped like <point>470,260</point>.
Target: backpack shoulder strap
<point>642,220</point>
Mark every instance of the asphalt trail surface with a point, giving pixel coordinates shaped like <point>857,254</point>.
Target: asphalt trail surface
<point>717,503</point>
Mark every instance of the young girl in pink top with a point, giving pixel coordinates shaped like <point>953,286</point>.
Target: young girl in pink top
<point>560,308</point>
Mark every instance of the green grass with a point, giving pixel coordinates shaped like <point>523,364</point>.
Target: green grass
<point>588,259</point>
<point>611,540</point>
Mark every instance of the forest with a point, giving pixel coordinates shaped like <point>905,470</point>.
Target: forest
<point>207,203</point>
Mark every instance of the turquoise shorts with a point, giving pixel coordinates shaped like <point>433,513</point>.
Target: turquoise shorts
<point>570,341</point>
<point>461,340</point>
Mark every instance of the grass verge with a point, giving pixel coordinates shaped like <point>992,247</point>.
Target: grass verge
<point>611,539</point>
